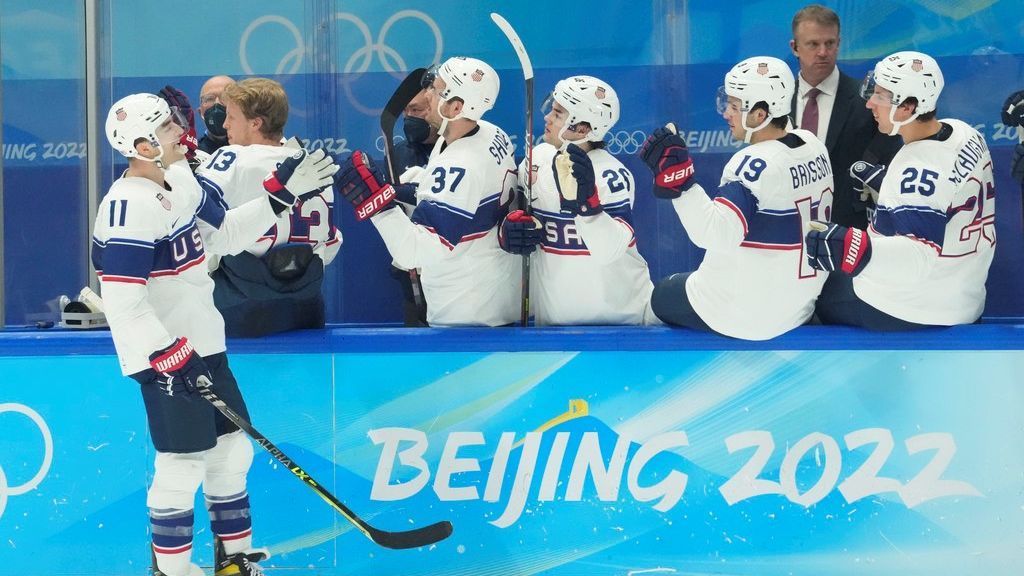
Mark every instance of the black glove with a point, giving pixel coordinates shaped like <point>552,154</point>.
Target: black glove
<point>299,178</point>
<point>833,247</point>
<point>364,186</point>
<point>867,179</point>
<point>1013,109</point>
<point>520,233</point>
<point>666,155</point>
<point>179,368</point>
<point>574,178</point>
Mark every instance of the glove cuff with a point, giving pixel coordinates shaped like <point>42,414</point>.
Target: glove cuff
<point>379,201</point>
<point>172,358</point>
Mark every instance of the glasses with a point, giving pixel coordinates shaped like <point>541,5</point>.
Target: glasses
<point>208,99</point>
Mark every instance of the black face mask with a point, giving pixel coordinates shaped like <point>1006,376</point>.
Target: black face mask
<point>416,130</point>
<point>214,120</point>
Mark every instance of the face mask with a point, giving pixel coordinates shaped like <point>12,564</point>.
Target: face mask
<point>416,130</point>
<point>214,120</point>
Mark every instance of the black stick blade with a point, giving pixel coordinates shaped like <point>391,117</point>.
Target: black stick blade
<point>415,538</point>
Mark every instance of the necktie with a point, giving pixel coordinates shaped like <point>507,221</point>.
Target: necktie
<point>809,121</point>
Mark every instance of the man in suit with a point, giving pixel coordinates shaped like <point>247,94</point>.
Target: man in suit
<point>829,104</point>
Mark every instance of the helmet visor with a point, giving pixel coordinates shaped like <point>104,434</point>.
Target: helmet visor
<point>721,100</point>
<point>871,90</point>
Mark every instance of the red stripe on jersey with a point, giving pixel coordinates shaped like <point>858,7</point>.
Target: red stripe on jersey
<point>447,244</point>
<point>122,279</point>
<point>471,237</point>
<point>739,213</point>
<point>180,269</point>
<point>767,246</point>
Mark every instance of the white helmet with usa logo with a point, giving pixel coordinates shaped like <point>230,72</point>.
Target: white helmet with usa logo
<point>139,117</point>
<point>470,80</point>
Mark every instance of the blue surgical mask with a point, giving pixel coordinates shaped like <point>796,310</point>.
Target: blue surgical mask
<point>417,130</point>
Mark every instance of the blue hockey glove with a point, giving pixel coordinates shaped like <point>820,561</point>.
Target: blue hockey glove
<point>833,247</point>
<point>1013,109</point>
<point>574,178</point>
<point>364,186</point>
<point>867,180</point>
<point>520,233</point>
<point>666,155</point>
<point>179,368</point>
<point>299,178</point>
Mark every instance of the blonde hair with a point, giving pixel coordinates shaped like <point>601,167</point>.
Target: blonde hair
<point>261,98</point>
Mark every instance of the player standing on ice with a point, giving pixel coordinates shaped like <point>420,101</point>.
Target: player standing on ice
<point>153,231</point>
<point>588,270</point>
<point>925,257</point>
<point>754,282</point>
<point>462,195</point>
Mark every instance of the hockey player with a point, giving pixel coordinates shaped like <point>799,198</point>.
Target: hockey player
<point>276,284</point>
<point>462,195</point>
<point>754,282</point>
<point>588,270</point>
<point>924,259</point>
<point>152,233</point>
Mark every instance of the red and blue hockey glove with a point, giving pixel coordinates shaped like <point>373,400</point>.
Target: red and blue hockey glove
<point>867,180</point>
<point>299,178</point>
<point>520,233</point>
<point>177,99</point>
<point>364,186</point>
<point>179,368</point>
<point>833,247</point>
<point>574,178</point>
<point>666,155</point>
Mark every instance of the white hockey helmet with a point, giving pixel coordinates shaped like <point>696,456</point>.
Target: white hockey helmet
<point>907,75</point>
<point>758,79</point>
<point>470,80</point>
<point>588,99</point>
<point>138,116</point>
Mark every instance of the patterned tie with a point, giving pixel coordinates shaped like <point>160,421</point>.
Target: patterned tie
<point>809,121</point>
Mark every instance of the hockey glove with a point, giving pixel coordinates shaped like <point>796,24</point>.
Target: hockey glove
<point>574,178</point>
<point>364,186</point>
<point>666,155</point>
<point>177,99</point>
<point>832,247</point>
<point>179,368</point>
<point>867,180</point>
<point>520,233</point>
<point>1013,109</point>
<point>299,178</point>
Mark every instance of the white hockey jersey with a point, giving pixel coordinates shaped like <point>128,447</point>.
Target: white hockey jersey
<point>933,235</point>
<point>588,269</point>
<point>452,236</point>
<point>235,174</point>
<point>148,247</point>
<point>754,282</point>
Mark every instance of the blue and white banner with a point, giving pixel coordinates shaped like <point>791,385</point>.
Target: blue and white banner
<point>596,463</point>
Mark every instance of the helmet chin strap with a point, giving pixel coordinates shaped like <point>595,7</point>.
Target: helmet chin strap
<point>896,125</point>
<point>748,132</point>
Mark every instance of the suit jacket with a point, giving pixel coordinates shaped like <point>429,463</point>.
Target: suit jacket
<point>852,135</point>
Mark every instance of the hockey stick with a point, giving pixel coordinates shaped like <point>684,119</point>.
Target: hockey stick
<point>404,94</point>
<point>524,62</point>
<point>397,540</point>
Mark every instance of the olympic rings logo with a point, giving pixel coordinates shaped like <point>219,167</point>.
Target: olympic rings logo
<point>624,141</point>
<point>6,491</point>
<point>359,61</point>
